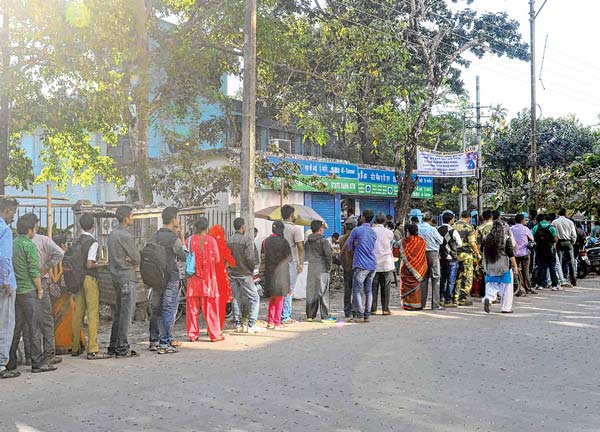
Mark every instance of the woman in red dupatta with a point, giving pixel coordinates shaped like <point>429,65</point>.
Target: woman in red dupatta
<point>226,260</point>
<point>203,288</point>
<point>413,267</point>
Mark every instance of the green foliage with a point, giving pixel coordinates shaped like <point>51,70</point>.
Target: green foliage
<point>564,157</point>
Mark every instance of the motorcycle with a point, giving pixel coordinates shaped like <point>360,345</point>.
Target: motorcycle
<point>592,251</point>
<point>583,265</point>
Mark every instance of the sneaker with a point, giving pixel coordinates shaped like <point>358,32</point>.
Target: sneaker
<point>329,320</point>
<point>486,305</point>
<point>167,350</point>
<point>554,288</point>
<point>153,346</point>
<point>288,321</point>
<point>567,285</point>
<point>256,329</point>
<point>309,319</point>
<point>44,368</point>
<point>560,288</point>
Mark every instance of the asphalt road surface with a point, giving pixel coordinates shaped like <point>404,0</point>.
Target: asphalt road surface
<point>451,371</point>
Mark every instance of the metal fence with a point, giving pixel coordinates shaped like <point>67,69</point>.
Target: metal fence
<point>62,216</point>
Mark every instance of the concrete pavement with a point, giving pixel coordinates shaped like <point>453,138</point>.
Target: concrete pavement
<point>451,371</point>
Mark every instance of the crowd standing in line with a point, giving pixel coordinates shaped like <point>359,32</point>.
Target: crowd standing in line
<point>48,289</point>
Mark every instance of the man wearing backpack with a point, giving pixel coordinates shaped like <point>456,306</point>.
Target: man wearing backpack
<point>545,238</point>
<point>166,301</point>
<point>84,252</point>
<point>123,257</point>
<point>448,259</point>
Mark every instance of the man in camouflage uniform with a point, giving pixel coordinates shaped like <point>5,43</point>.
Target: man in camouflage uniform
<point>466,253</point>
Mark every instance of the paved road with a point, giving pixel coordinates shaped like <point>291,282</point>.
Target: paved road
<point>536,370</point>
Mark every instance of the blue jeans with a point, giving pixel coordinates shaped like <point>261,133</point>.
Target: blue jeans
<point>362,279</point>
<point>122,314</point>
<point>448,280</point>
<point>287,302</point>
<point>7,326</point>
<point>162,314</point>
<point>244,286</point>
<point>546,264</point>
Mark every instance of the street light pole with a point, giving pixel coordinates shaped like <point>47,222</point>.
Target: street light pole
<point>479,161</point>
<point>249,119</point>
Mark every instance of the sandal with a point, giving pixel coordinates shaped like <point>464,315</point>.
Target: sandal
<point>131,353</point>
<point>9,373</point>
<point>219,339</point>
<point>99,356</point>
<point>168,350</point>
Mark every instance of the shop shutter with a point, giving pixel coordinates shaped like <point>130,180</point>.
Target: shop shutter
<point>324,204</point>
<point>376,204</point>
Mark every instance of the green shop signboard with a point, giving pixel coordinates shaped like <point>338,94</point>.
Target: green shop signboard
<point>353,180</point>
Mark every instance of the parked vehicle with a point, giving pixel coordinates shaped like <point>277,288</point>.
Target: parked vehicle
<point>592,251</point>
<point>583,265</point>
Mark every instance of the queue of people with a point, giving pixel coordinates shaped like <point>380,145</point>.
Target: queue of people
<point>48,289</point>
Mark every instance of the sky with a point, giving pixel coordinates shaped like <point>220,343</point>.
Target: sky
<point>571,69</point>
<point>571,66</point>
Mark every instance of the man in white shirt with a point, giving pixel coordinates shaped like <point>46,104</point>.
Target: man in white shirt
<point>567,236</point>
<point>295,237</point>
<point>385,265</point>
<point>87,300</point>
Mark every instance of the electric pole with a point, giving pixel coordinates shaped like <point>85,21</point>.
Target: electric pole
<point>479,161</point>
<point>464,199</point>
<point>4,98</point>
<point>249,118</point>
<point>532,16</point>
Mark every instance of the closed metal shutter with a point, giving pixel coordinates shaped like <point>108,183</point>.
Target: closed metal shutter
<point>376,204</point>
<point>324,204</point>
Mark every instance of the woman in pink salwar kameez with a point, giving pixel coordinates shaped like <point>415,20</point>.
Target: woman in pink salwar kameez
<point>203,289</point>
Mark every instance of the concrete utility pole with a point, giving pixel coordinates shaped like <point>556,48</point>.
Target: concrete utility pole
<point>464,197</point>
<point>4,99</point>
<point>533,95</point>
<point>249,118</point>
<point>479,161</point>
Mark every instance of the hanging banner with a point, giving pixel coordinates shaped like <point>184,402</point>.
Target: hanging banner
<point>437,164</point>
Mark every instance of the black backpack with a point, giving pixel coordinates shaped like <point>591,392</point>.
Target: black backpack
<point>153,265</point>
<point>74,261</point>
<point>543,240</point>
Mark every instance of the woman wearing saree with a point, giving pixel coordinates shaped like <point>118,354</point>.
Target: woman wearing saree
<point>226,260</point>
<point>413,267</point>
<point>203,289</point>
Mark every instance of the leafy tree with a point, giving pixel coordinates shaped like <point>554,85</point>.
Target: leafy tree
<point>507,150</point>
<point>46,87</point>
<point>363,77</point>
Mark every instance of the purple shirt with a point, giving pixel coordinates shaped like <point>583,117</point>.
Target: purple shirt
<point>522,236</point>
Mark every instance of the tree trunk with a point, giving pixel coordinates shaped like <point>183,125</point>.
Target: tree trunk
<point>141,96</point>
<point>406,184</point>
<point>366,143</point>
